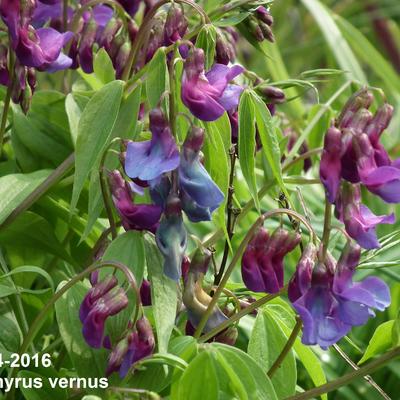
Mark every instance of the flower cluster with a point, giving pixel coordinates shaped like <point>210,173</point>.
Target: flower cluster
<point>354,156</point>
<point>327,299</point>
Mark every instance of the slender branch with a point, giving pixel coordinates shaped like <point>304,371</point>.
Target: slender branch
<point>229,224</point>
<point>50,181</point>
<point>347,378</point>
<point>239,253</point>
<point>286,349</point>
<point>107,203</point>
<point>303,156</point>
<point>235,317</point>
<point>368,378</point>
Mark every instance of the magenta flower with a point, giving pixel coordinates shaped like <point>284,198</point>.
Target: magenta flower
<point>148,160</point>
<point>209,95</point>
<point>359,221</point>
<point>329,302</point>
<point>134,216</point>
<point>331,167</point>
<point>262,261</point>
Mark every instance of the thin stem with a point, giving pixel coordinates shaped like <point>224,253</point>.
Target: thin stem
<point>286,349</point>
<point>235,317</point>
<point>107,203</point>
<point>327,227</point>
<point>368,378</point>
<point>303,156</point>
<point>50,181</point>
<point>65,15</point>
<point>259,222</point>
<point>229,224</point>
<point>346,379</point>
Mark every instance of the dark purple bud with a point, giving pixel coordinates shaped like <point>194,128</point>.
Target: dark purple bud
<point>145,293</point>
<point>330,167</point>
<point>4,73</point>
<point>121,59</point>
<point>361,99</point>
<point>193,142</point>
<point>256,30</point>
<point>175,25</point>
<point>117,356</point>
<point>133,30</point>
<point>267,32</point>
<point>222,51</point>
<point>272,94</point>
<point>109,32</point>
<point>87,41</point>
<point>301,280</point>
<point>130,6</point>
<point>349,258</point>
<point>379,123</point>
<point>263,14</point>
<point>262,261</point>
<point>228,336</point>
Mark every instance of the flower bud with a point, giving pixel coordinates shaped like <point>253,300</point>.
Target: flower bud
<point>175,25</point>
<point>263,14</point>
<point>171,238</point>
<point>361,99</point>
<point>87,41</point>
<point>121,59</point>
<point>223,52</point>
<point>262,261</point>
<point>272,94</point>
<point>117,356</point>
<point>145,293</point>
<point>379,122</point>
<point>255,29</point>
<point>228,336</point>
<point>109,32</point>
<point>266,31</point>
<point>4,73</point>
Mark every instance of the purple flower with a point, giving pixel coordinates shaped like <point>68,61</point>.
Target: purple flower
<point>330,168</point>
<point>208,95</point>
<point>171,238</point>
<point>175,25</point>
<point>199,194</point>
<point>148,160</point>
<point>134,347</point>
<point>130,6</point>
<point>141,345</point>
<point>101,302</point>
<point>145,293</point>
<point>330,303</point>
<point>134,216</point>
<point>383,181</point>
<point>262,261</point>
<point>360,222</point>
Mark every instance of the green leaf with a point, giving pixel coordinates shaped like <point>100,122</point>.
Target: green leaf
<point>247,144</point>
<point>169,359</point>
<point>15,188</point>
<point>94,133</point>
<point>337,43</point>
<point>157,78</point>
<point>74,106</point>
<point>206,40</point>
<point>217,164</point>
<point>88,362</point>
<point>127,249</point>
<point>124,128</point>
<point>34,232</point>
<point>199,381</point>
<point>380,342</point>
<point>103,67</point>
<point>269,141</point>
<point>242,372</point>
<point>266,343</point>
<point>163,295</point>
<point>10,339</point>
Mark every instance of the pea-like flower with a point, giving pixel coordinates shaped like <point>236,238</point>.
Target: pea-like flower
<point>262,261</point>
<point>209,94</point>
<point>134,216</point>
<point>199,194</point>
<point>171,238</point>
<point>328,301</point>
<point>149,159</point>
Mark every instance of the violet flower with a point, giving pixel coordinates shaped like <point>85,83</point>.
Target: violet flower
<point>209,95</point>
<point>199,194</point>
<point>262,261</point>
<point>329,302</point>
<point>359,221</point>
<point>171,238</point>
<point>134,216</point>
<point>102,301</point>
<point>131,349</point>
<point>149,159</point>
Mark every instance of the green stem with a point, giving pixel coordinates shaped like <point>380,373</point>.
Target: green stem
<point>346,379</point>
<point>50,181</point>
<point>286,349</point>
<point>259,222</point>
<point>327,227</point>
<point>235,317</point>
<point>107,203</point>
